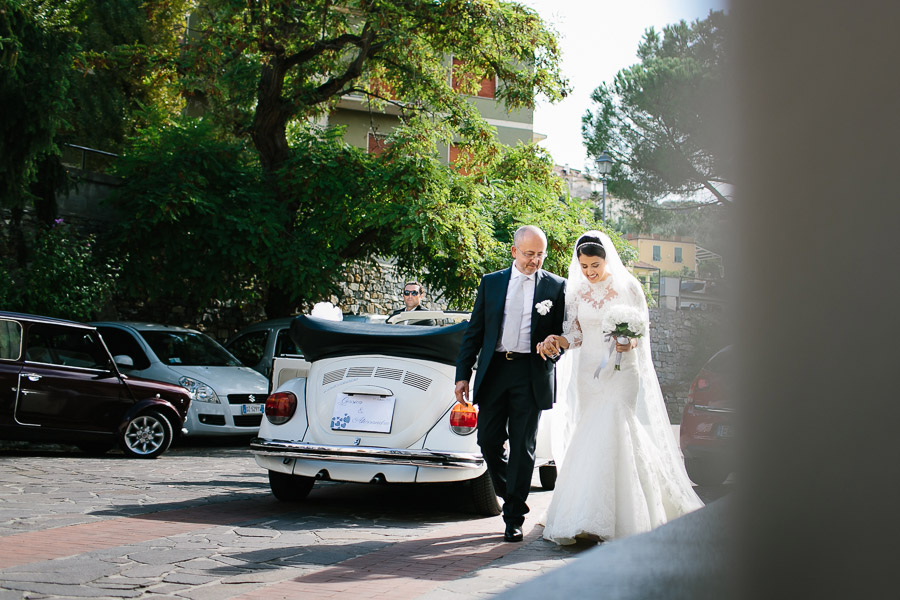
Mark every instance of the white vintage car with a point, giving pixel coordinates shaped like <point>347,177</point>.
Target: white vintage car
<point>375,403</point>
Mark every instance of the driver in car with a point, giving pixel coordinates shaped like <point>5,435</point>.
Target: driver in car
<point>412,299</point>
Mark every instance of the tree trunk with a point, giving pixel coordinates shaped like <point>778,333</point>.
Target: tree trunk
<point>270,139</point>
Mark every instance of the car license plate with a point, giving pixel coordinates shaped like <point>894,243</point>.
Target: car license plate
<point>724,431</point>
<point>363,412</point>
<point>252,409</point>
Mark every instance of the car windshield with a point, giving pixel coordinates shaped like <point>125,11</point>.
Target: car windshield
<point>189,349</point>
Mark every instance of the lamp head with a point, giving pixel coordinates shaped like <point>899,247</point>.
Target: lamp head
<point>604,164</point>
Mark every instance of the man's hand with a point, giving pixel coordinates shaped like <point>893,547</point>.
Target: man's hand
<point>462,392</point>
<point>550,347</point>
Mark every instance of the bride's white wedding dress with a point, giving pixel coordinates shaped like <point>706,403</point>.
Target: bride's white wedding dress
<point>622,472</point>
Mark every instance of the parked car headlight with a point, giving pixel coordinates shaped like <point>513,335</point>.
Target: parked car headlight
<point>199,391</point>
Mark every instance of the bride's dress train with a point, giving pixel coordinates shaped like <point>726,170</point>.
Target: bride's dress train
<point>622,472</point>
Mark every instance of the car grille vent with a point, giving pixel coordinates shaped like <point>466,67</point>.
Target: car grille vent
<point>360,372</point>
<point>385,373</point>
<point>332,376</point>
<point>411,379</point>
<point>417,381</point>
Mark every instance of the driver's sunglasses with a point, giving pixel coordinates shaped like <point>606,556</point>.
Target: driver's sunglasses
<point>410,293</point>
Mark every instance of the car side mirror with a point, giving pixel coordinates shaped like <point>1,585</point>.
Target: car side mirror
<point>123,360</point>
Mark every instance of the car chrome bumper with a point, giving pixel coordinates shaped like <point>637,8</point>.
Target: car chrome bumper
<point>354,454</point>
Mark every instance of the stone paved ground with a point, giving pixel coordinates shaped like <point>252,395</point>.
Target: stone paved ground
<point>199,523</point>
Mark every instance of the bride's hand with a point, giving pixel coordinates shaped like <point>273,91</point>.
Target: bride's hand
<point>632,343</point>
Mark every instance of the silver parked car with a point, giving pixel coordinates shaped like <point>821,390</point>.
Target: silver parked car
<point>227,398</point>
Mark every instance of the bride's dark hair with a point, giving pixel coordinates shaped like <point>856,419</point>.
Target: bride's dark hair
<point>589,245</point>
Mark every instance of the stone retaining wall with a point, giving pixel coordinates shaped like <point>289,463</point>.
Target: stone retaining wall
<point>681,342</point>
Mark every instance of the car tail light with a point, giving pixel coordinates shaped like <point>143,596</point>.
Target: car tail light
<point>702,384</point>
<point>463,419</point>
<point>280,407</point>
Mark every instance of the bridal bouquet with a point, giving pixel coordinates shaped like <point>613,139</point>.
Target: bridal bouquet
<point>624,322</point>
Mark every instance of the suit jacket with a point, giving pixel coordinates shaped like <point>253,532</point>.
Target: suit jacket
<point>485,329</point>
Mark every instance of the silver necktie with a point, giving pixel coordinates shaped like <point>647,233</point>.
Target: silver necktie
<point>513,324</point>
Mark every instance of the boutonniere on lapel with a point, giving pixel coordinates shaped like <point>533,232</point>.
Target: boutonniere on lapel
<point>543,307</point>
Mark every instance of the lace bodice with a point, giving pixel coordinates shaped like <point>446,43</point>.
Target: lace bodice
<point>585,308</point>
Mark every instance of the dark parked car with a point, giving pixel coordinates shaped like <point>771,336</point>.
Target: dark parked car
<point>707,424</point>
<point>258,345</point>
<point>59,383</point>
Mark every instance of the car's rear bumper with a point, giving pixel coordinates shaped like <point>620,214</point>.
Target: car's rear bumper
<point>367,455</point>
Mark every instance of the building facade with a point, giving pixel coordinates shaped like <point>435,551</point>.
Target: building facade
<point>368,128</point>
<point>668,254</point>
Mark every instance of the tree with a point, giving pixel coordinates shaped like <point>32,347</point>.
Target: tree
<point>664,120</point>
<point>201,222</point>
<point>263,69</point>
<point>37,45</point>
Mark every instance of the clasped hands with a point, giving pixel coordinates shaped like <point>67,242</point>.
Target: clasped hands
<point>550,347</point>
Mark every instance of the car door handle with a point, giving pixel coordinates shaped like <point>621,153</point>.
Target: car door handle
<point>32,377</point>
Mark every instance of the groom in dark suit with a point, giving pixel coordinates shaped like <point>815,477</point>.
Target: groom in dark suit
<point>514,310</point>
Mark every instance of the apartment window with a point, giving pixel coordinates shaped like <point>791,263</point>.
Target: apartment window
<point>657,253</point>
<point>678,255</point>
<point>377,144</point>
<point>488,85</point>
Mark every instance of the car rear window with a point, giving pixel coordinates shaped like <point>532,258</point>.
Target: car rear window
<point>67,346</point>
<point>10,340</point>
<point>250,347</point>
<point>284,345</point>
<point>189,349</point>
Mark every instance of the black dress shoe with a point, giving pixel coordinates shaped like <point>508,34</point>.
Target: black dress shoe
<point>513,534</point>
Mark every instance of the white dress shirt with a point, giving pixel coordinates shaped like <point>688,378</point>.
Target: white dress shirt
<point>524,344</point>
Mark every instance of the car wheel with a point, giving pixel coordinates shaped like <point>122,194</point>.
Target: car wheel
<point>705,472</point>
<point>547,473</point>
<point>484,497</point>
<point>95,448</point>
<point>290,488</point>
<point>147,435</point>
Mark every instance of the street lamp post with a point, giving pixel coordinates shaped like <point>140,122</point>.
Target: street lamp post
<point>604,166</point>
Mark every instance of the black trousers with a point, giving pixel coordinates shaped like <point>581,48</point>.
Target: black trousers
<point>508,411</point>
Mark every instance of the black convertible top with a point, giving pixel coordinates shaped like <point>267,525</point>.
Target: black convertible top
<point>320,338</point>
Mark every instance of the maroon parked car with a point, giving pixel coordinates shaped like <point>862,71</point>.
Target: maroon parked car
<point>58,383</point>
<point>707,424</point>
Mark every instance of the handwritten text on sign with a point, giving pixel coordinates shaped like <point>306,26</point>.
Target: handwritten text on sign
<point>363,412</point>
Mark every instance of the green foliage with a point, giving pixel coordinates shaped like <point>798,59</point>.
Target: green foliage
<point>65,278</point>
<point>194,217</point>
<point>447,226</point>
<point>121,68</point>
<point>37,44</point>
<point>664,120</point>
<point>199,222</point>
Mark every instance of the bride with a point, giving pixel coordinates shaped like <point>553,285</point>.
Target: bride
<point>622,472</point>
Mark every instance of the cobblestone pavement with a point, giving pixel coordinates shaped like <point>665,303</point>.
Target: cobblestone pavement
<point>199,523</point>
